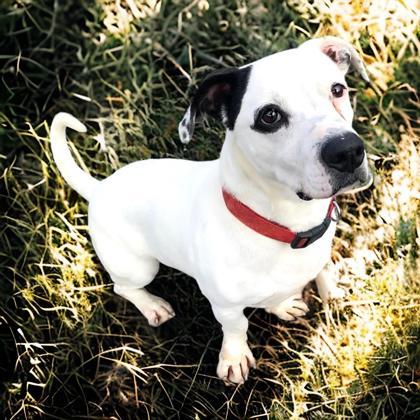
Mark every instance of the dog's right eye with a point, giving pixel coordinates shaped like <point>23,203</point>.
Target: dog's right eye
<point>270,116</point>
<point>269,119</point>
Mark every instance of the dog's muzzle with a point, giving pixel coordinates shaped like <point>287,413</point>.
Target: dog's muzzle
<point>344,153</point>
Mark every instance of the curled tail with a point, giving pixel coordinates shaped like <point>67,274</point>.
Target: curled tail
<point>77,178</point>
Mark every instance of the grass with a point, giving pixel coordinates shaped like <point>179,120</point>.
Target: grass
<point>69,347</point>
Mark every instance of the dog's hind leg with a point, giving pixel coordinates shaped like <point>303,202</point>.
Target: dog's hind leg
<point>155,309</point>
<point>131,273</point>
<point>142,270</point>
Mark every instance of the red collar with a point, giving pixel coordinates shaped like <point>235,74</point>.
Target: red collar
<point>275,231</point>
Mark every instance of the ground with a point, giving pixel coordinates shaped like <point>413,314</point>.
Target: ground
<point>69,347</point>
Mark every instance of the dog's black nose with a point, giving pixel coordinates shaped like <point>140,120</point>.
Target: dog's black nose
<point>344,152</point>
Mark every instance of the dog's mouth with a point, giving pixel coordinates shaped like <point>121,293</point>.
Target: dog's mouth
<point>359,185</point>
<point>303,196</point>
<point>348,185</point>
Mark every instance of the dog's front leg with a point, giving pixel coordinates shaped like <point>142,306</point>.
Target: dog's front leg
<point>235,358</point>
<point>327,283</point>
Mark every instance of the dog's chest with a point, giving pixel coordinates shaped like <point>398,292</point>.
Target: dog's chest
<point>252,270</point>
<point>271,280</point>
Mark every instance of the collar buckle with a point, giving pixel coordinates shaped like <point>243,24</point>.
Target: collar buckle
<point>303,239</point>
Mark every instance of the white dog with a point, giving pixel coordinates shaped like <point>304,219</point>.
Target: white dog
<point>252,227</point>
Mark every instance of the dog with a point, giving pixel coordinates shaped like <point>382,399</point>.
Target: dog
<point>252,227</point>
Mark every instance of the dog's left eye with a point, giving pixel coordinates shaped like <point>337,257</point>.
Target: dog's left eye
<point>269,119</point>
<point>337,90</point>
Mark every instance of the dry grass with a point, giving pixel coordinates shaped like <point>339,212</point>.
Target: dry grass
<point>68,346</point>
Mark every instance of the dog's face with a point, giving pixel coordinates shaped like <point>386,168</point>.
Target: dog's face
<point>290,115</point>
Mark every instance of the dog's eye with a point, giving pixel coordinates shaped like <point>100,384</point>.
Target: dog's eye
<point>337,90</point>
<point>270,116</point>
<point>269,119</point>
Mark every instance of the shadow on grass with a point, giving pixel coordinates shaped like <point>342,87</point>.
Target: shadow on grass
<point>176,374</point>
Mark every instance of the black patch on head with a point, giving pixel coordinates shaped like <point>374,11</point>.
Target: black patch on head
<point>184,123</point>
<point>220,95</point>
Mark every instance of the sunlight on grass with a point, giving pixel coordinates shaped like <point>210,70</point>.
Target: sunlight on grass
<point>120,14</point>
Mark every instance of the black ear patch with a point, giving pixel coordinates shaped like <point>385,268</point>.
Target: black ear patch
<point>220,96</point>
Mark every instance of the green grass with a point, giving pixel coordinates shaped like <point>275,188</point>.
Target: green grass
<point>69,347</point>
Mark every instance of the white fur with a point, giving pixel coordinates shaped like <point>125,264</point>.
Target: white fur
<point>172,211</point>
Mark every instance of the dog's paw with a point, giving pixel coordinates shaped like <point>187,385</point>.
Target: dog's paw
<point>158,311</point>
<point>330,287</point>
<point>290,309</point>
<point>333,293</point>
<point>235,363</point>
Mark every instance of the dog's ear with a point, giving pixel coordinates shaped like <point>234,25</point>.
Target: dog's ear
<point>220,96</point>
<point>341,52</point>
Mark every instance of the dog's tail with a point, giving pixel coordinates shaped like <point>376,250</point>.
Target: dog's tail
<point>77,178</point>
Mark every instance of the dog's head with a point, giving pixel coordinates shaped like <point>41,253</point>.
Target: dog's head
<point>290,115</point>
